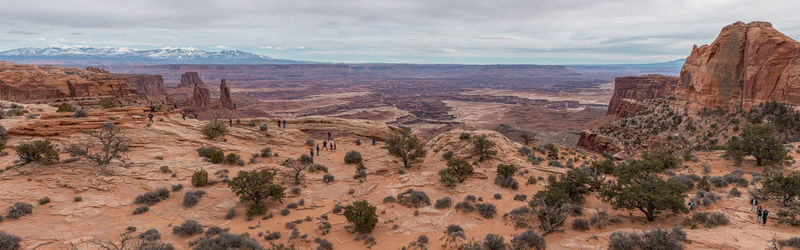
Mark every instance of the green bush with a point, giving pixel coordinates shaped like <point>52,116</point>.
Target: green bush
<point>214,129</point>
<point>212,154</point>
<point>362,215</point>
<point>353,157</point>
<point>256,186</point>
<point>200,178</point>
<point>42,151</point>
<point>109,102</point>
<point>9,241</point>
<point>65,107</point>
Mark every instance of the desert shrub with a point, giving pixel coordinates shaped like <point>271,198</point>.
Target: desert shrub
<point>453,232</point>
<point>316,167</point>
<point>323,244</point>
<point>263,128</point>
<point>176,187</point>
<point>230,214</point>
<point>663,239</point>
<point>465,207</point>
<point>528,240</point>
<point>457,170</point>
<point>266,152</point>
<point>447,155</point>
<point>19,209</point>
<point>600,219</point>
<point>272,235</point>
<point>362,215</point>
<point>470,198</point>
<point>520,197</point>
<point>580,224</point>
<point>555,163</point>
<point>80,113</point>
<point>310,143</point>
<point>164,169</point>
<point>150,235</point>
<point>9,241</point>
<point>141,209</point>
<point>327,178</point>
<point>506,170</point>
<point>498,196</point>
<point>706,198</point>
<point>464,136</point>
<point>234,159</point>
<point>337,209</point>
<point>152,197</point>
<point>493,242</point>
<point>624,241</point>
<point>718,181</point>
<point>486,210</point>
<point>443,202</point>
<point>736,177</point>
<point>188,228</point>
<point>306,159</point>
<point>791,242</point>
<point>353,157</point>
<point>735,192</point>
<point>422,239</point>
<point>506,182</point>
<point>214,155</point>
<point>413,198</point>
<point>44,200</point>
<point>42,151</point>
<point>214,129</point>
<point>77,199</point>
<point>686,180</point>
<point>717,219</point>
<point>65,107</point>
<point>389,199</point>
<point>525,151</point>
<point>191,198</point>
<point>108,102</point>
<point>200,178</point>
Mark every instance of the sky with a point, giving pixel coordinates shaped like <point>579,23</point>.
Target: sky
<point>396,31</point>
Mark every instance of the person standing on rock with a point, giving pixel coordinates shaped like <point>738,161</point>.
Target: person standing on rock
<point>758,214</point>
<point>334,144</point>
<point>753,204</point>
<point>325,145</point>
<point>230,121</point>
<point>151,117</point>
<point>279,123</point>
<point>764,216</point>
<point>329,135</point>
<point>317,149</point>
<point>284,123</point>
<point>183,115</point>
<point>373,142</point>
<point>311,152</point>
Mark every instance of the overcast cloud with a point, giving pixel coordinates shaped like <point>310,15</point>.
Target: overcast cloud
<point>418,31</point>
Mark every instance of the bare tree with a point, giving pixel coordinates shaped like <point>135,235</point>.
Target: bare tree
<point>551,216</point>
<point>127,241</point>
<point>102,146</point>
<point>296,170</point>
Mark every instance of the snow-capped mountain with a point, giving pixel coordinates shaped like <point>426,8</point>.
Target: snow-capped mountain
<point>168,55</point>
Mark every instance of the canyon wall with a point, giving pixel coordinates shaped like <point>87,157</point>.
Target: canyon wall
<point>747,64</point>
<point>629,91</point>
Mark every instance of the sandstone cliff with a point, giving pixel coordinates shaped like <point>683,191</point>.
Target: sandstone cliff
<point>150,87</point>
<point>32,82</point>
<point>200,99</point>
<point>629,91</point>
<point>190,79</point>
<point>225,96</point>
<point>747,64</point>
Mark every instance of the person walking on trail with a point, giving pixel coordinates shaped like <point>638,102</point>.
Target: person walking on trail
<point>334,144</point>
<point>151,117</point>
<point>317,149</point>
<point>759,212</point>
<point>325,145</point>
<point>279,123</point>
<point>764,216</point>
<point>691,206</point>
<point>183,115</point>
<point>753,204</point>
<point>230,121</point>
<point>284,123</point>
<point>373,142</point>
<point>311,152</point>
<point>152,108</point>
<point>329,135</point>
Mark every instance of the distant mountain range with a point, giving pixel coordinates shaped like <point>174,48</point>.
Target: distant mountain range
<point>73,55</point>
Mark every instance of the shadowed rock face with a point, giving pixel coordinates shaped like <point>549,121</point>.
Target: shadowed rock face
<point>200,100</point>
<point>150,87</point>
<point>747,64</point>
<point>190,79</point>
<point>629,90</point>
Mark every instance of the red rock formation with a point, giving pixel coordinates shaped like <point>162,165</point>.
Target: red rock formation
<point>96,70</point>
<point>747,64</point>
<point>150,87</point>
<point>225,96</point>
<point>599,143</point>
<point>190,79</point>
<point>630,90</point>
<point>200,100</point>
<point>32,82</point>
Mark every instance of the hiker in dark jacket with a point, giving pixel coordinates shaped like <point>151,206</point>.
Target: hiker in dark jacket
<point>284,123</point>
<point>764,216</point>
<point>753,204</point>
<point>279,123</point>
<point>758,214</point>
<point>317,149</point>
<point>325,145</point>
<point>311,152</point>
